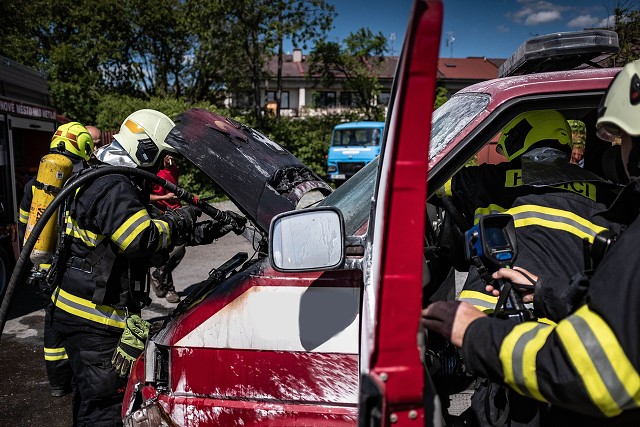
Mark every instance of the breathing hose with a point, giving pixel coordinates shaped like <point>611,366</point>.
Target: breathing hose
<point>19,271</point>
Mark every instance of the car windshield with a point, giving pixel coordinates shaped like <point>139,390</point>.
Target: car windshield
<point>356,136</point>
<point>353,197</point>
<point>453,116</point>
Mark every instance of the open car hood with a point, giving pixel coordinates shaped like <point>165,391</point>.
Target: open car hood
<point>258,175</point>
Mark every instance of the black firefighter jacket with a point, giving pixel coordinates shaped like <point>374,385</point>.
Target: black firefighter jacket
<point>586,366</point>
<point>112,238</point>
<point>553,218</point>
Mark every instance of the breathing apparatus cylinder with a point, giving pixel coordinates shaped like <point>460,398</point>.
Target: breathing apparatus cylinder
<point>53,173</point>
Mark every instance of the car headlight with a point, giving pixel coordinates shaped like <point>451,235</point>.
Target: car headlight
<point>156,364</point>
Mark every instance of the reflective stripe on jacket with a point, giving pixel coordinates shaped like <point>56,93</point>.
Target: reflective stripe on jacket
<point>589,362</point>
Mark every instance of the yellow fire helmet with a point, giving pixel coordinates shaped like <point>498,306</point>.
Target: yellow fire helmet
<point>544,128</point>
<point>72,138</point>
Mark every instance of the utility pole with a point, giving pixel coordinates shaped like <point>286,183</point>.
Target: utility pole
<point>392,38</point>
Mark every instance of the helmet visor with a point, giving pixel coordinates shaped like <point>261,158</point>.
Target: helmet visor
<point>114,155</point>
<point>609,132</point>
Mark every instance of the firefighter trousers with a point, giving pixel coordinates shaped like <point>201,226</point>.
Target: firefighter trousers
<point>99,389</point>
<point>164,274</point>
<point>57,363</point>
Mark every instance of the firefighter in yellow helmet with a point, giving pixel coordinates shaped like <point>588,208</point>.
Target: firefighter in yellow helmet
<point>70,148</point>
<point>113,240</point>
<point>587,365</point>
<point>554,205</point>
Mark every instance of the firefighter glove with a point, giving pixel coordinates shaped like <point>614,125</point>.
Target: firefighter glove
<point>131,344</point>
<point>238,221</point>
<point>184,221</point>
<point>207,231</point>
<point>439,317</point>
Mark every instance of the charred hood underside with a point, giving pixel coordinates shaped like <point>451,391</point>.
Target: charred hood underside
<point>259,176</point>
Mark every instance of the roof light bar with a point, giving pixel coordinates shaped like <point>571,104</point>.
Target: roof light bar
<point>560,51</point>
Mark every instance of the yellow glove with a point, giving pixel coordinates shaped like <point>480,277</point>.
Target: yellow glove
<point>131,344</point>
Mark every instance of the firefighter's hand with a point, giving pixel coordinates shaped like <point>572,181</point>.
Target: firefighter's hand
<point>131,345</point>
<point>239,221</point>
<point>523,281</point>
<point>184,221</point>
<point>450,319</point>
<point>208,231</point>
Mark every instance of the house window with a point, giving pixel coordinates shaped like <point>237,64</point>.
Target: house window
<point>347,99</point>
<point>284,100</point>
<point>383,98</point>
<point>324,99</point>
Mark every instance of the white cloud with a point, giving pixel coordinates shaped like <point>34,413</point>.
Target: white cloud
<point>608,22</point>
<point>583,21</point>
<point>502,29</point>
<point>535,12</point>
<point>543,17</point>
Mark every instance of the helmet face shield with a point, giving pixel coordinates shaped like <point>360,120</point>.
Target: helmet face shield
<point>114,155</point>
<point>609,132</point>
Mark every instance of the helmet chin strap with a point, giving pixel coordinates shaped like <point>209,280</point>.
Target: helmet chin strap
<point>633,165</point>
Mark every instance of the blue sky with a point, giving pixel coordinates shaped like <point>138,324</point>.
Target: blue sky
<point>491,28</point>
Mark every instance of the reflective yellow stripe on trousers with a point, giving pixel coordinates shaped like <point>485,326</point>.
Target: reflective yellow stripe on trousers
<point>54,354</point>
<point>23,216</point>
<point>84,308</point>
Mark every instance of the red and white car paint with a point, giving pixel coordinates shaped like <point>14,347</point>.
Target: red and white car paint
<point>335,347</point>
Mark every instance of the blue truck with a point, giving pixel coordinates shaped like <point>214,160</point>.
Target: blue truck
<point>353,145</point>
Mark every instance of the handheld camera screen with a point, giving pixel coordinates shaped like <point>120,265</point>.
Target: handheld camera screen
<point>495,237</point>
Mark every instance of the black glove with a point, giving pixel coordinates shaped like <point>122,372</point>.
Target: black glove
<point>439,317</point>
<point>239,221</point>
<point>184,221</point>
<point>207,231</point>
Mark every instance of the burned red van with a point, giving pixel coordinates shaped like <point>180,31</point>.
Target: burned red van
<point>323,328</point>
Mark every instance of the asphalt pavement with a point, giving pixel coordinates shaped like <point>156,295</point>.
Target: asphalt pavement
<point>25,398</point>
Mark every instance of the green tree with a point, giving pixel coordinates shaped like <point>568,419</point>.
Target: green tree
<point>161,43</point>
<point>441,97</point>
<point>20,30</point>
<point>301,22</point>
<point>356,66</point>
<point>624,19</point>
<point>84,45</point>
<point>217,63</point>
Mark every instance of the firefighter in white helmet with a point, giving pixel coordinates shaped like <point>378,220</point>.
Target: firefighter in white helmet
<point>112,242</point>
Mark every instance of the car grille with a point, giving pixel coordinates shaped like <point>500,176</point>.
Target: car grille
<point>350,167</point>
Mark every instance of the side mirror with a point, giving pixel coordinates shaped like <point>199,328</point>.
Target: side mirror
<point>306,240</point>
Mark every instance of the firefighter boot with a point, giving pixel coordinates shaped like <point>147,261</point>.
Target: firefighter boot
<point>172,296</point>
<point>156,284</point>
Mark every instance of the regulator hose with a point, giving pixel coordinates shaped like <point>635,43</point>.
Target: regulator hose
<point>238,222</point>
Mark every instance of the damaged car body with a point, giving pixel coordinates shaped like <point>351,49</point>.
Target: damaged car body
<point>250,342</point>
<point>326,330</point>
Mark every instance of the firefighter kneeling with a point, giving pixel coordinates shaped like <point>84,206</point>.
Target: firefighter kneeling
<point>586,366</point>
<point>111,241</point>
